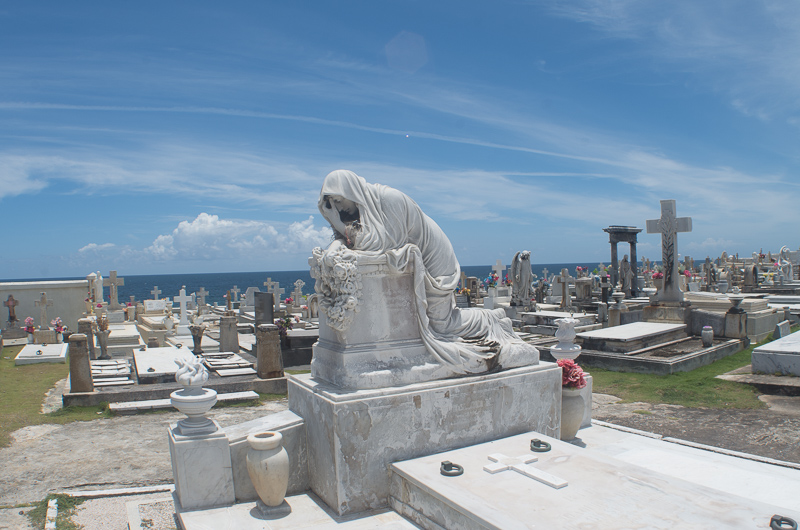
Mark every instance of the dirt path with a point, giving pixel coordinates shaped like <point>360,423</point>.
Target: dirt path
<point>133,451</point>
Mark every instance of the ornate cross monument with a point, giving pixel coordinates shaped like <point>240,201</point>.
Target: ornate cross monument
<point>201,297</point>
<point>11,303</point>
<point>669,225</point>
<point>235,292</point>
<point>112,282</point>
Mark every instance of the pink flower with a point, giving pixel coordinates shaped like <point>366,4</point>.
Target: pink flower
<point>571,374</point>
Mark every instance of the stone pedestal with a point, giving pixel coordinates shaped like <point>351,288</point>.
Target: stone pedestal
<point>672,312</point>
<point>269,363</point>
<point>354,435</point>
<point>85,327</point>
<point>201,468</point>
<point>228,334</point>
<point>44,336</point>
<point>80,370</point>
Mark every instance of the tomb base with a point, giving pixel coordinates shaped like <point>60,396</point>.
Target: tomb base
<point>672,312</point>
<point>353,436</point>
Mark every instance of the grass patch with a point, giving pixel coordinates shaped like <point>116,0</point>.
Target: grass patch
<point>296,372</point>
<point>22,390</point>
<point>697,388</point>
<point>66,509</point>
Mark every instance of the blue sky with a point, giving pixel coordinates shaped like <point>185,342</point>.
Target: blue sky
<point>185,137</point>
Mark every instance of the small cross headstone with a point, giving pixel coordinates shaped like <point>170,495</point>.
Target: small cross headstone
<point>235,292</point>
<point>155,292</point>
<point>668,226</point>
<point>201,296</point>
<point>274,288</point>
<point>545,272</point>
<point>11,304</point>
<point>112,282</point>
<point>563,280</point>
<point>43,304</point>
<point>463,280</point>
<point>98,288</point>
<point>297,294</point>
<point>498,269</point>
<point>182,299</point>
<point>520,465</point>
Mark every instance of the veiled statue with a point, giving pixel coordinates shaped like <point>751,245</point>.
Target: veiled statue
<point>373,223</point>
<point>521,279</point>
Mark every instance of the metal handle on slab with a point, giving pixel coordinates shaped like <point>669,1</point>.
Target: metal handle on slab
<point>539,446</point>
<point>779,522</point>
<point>450,469</point>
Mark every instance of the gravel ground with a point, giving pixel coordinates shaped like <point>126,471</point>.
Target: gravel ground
<point>130,451</point>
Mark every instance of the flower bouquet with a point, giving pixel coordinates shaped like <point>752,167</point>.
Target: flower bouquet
<point>58,325</point>
<point>571,374</point>
<point>29,325</point>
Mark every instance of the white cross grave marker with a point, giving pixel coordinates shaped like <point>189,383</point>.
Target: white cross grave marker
<point>155,292</point>
<point>112,282</point>
<point>43,304</point>
<point>669,225</point>
<point>201,295</point>
<point>235,292</point>
<point>273,287</point>
<point>564,279</point>
<point>498,269</point>
<point>520,465</point>
<point>182,298</point>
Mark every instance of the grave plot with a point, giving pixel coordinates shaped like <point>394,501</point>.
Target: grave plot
<point>651,348</point>
<point>42,353</point>
<point>207,344</point>
<point>114,372</point>
<point>157,365</point>
<point>228,364</point>
<point>123,339</point>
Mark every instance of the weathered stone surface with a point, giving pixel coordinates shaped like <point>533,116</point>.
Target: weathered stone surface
<point>354,435</point>
<point>80,370</point>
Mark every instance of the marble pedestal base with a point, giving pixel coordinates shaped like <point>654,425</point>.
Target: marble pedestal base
<point>353,436</point>
<point>201,468</point>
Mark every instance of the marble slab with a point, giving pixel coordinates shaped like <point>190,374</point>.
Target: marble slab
<point>207,344</point>
<point>154,364</point>
<point>613,482</point>
<point>307,511</point>
<point>42,353</point>
<point>779,356</point>
<point>634,331</point>
<point>228,372</point>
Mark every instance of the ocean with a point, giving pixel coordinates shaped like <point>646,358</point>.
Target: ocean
<point>217,284</point>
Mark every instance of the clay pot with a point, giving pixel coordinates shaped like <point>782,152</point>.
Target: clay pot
<point>268,466</point>
<point>572,409</point>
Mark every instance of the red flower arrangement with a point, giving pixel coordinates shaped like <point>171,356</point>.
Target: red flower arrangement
<point>571,374</point>
<point>658,275</point>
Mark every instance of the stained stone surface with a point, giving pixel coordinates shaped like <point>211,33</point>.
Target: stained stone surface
<point>779,356</point>
<point>616,480</point>
<point>42,353</point>
<point>354,435</point>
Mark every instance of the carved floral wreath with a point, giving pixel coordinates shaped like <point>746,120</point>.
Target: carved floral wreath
<point>339,284</point>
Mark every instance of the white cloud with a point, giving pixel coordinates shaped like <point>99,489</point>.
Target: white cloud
<point>208,237</point>
<point>94,247</point>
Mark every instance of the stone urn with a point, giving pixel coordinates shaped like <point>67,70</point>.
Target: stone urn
<point>102,342</point>
<point>268,467</point>
<point>572,409</point>
<point>707,336</point>
<point>566,347</point>
<point>193,400</point>
<point>722,286</point>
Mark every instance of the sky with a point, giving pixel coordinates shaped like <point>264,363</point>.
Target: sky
<point>189,137</point>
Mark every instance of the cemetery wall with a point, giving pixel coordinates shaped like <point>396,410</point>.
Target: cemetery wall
<point>67,296</point>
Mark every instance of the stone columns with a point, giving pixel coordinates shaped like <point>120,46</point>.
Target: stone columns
<point>80,370</point>
<point>85,328</point>
<point>614,265</point>
<point>269,363</point>
<point>228,334</point>
<point>635,270</point>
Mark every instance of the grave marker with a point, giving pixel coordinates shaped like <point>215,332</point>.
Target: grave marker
<point>520,465</point>
<point>274,288</point>
<point>155,292</point>
<point>563,280</point>
<point>112,282</point>
<point>201,295</point>
<point>235,292</point>
<point>43,304</point>
<point>668,226</point>
<point>498,269</point>
<point>11,304</point>
<point>182,299</point>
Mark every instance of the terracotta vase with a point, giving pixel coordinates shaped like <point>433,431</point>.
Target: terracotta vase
<point>268,466</point>
<point>572,408</point>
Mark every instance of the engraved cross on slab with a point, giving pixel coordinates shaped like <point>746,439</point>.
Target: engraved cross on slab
<point>669,225</point>
<point>520,465</point>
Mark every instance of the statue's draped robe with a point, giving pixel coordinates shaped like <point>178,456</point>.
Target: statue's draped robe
<point>470,340</point>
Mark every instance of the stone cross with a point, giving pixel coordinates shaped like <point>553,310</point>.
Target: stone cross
<point>98,288</point>
<point>11,304</point>
<point>43,304</point>
<point>274,288</point>
<point>544,273</point>
<point>463,280</point>
<point>520,465</point>
<point>112,282</point>
<point>155,292</point>
<point>235,292</point>
<point>669,225</point>
<point>182,298</point>
<point>201,295</point>
<point>498,269</point>
<point>297,294</point>
<point>564,281</point>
